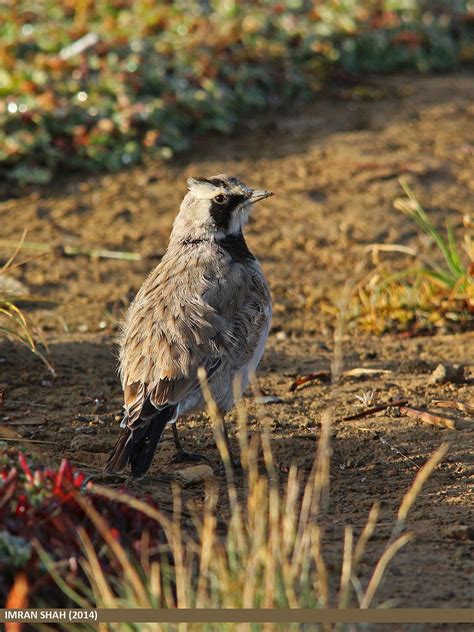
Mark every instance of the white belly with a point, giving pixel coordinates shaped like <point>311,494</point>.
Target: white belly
<point>248,371</point>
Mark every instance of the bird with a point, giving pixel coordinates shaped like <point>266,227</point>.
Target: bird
<point>206,305</point>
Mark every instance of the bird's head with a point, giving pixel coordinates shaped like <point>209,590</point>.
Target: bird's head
<point>215,207</point>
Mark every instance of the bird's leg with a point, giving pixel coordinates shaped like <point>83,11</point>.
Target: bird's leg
<point>183,455</point>
<point>177,440</point>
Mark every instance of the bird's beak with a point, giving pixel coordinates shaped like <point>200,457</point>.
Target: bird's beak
<point>259,195</point>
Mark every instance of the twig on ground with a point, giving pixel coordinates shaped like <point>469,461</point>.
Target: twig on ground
<point>29,422</point>
<point>375,249</point>
<point>421,415</point>
<point>435,420</point>
<point>363,372</point>
<point>319,375</point>
<point>396,403</point>
<point>462,406</point>
<point>23,439</point>
<point>326,376</point>
<point>71,250</point>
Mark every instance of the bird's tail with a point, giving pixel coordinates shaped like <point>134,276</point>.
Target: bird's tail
<point>137,447</point>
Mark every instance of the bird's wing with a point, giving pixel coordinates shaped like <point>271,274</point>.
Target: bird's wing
<point>184,318</point>
<point>245,307</point>
<point>169,332</point>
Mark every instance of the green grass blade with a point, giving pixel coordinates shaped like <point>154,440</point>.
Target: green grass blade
<point>447,248</point>
<point>455,258</point>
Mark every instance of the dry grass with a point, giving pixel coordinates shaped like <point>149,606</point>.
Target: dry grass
<point>13,322</point>
<point>269,554</point>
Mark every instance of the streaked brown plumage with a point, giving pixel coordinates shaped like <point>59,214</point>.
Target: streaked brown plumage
<point>206,304</point>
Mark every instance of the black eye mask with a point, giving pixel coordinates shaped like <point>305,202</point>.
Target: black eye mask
<point>222,213</point>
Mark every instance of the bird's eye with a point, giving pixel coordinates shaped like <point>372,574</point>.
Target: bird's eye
<point>220,199</point>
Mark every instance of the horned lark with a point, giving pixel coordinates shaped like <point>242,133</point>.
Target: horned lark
<point>207,304</point>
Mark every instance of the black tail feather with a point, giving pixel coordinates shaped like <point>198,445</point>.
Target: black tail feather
<point>118,458</point>
<point>142,456</point>
<point>138,446</point>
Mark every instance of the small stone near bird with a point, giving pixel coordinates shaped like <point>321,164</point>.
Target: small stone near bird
<point>447,373</point>
<point>268,399</point>
<point>12,287</point>
<point>194,475</point>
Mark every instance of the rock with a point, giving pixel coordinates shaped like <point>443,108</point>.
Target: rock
<point>268,399</point>
<point>12,287</point>
<point>90,443</point>
<point>194,474</point>
<point>447,373</point>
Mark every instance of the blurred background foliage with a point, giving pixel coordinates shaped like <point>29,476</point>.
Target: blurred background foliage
<point>97,85</point>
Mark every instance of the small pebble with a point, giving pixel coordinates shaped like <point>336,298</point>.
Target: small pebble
<point>447,373</point>
<point>194,474</point>
<point>268,399</point>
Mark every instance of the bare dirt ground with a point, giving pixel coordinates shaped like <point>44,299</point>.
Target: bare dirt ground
<point>334,166</point>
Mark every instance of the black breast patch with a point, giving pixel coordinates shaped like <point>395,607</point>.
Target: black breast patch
<point>236,247</point>
<point>222,213</point>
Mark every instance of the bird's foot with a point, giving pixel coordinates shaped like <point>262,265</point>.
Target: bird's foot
<point>183,456</point>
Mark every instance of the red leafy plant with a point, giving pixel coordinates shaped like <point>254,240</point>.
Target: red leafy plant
<point>44,509</point>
